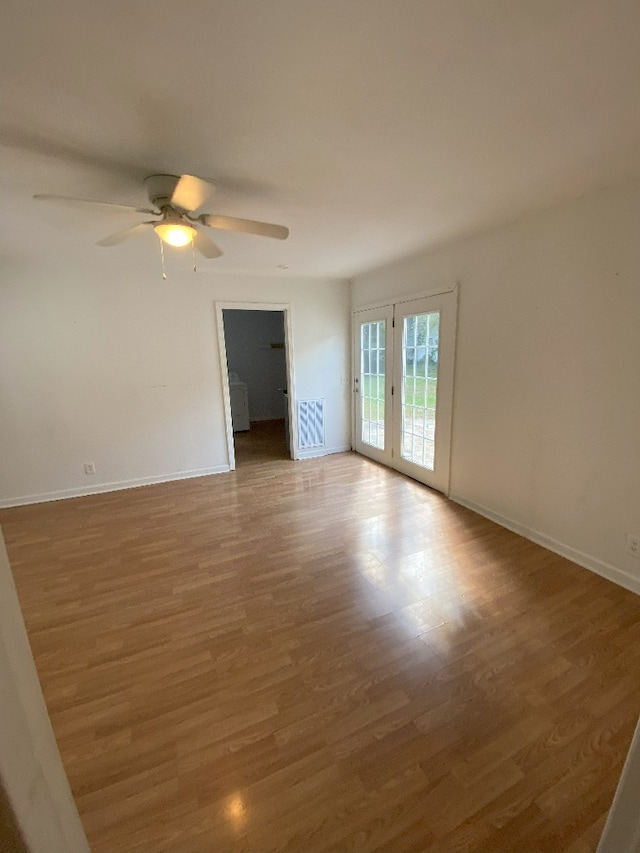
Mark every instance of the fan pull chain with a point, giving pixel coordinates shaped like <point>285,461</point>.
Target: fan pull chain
<point>193,251</point>
<point>164,272</point>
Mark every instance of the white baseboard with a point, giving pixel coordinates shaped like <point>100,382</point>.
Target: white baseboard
<point>605,570</point>
<point>83,491</point>
<point>315,452</point>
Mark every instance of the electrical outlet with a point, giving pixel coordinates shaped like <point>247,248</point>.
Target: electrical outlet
<point>89,467</point>
<point>633,546</point>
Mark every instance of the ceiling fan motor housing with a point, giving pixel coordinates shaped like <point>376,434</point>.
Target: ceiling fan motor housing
<point>160,189</point>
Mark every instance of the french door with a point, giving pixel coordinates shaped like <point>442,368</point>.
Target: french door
<point>373,382</point>
<point>404,386</point>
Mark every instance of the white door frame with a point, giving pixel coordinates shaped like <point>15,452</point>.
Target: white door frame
<point>285,307</point>
<point>29,750</point>
<point>446,304</point>
<point>372,315</point>
<point>621,832</point>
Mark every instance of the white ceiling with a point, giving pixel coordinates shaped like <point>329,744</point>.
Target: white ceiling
<point>372,128</point>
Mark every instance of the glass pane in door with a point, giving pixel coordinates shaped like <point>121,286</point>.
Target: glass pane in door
<point>420,340</point>
<point>372,381</point>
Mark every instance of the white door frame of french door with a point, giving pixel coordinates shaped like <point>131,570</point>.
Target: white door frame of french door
<point>285,307</point>
<point>446,304</point>
<point>372,315</point>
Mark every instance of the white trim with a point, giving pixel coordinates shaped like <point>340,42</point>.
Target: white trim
<point>397,300</point>
<point>605,570</point>
<point>456,345</point>
<point>84,491</point>
<point>285,307</point>
<point>291,381</point>
<point>226,395</point>
<point>372,315</point>
<point>621,832</point>
<point>316,452</point>
<point>446,305</point>
<point>32,775</point>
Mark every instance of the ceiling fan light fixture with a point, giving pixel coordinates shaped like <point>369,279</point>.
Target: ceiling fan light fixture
<point>175,233</point>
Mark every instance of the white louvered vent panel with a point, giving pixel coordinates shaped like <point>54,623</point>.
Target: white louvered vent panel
<point>310,423</point>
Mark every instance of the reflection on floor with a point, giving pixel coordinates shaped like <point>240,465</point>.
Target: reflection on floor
<point>264,442</point>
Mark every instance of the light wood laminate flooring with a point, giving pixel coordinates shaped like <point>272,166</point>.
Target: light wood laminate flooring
<point>323,656</point>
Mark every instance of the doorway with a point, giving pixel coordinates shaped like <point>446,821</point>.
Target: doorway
<point>403,387</point>
<point>257,380</point>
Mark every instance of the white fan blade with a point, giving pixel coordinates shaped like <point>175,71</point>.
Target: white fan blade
<point>191,192</point>
<point>205,245</point>
<point>121,236</point>
<point>246,226</point>
<point>72,200</point>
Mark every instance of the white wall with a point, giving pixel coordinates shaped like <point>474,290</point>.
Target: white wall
<point>248,338</point>
<point>31,771</point>
<point>546,425</point>
<point>103,361</point>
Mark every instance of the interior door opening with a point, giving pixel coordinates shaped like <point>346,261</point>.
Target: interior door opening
<point>256,373</point>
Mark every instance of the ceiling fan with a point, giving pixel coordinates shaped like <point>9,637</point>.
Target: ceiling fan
<point>175,200</point>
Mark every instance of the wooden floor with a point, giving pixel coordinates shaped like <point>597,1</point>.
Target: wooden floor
<point>264,442</point>
<point>323,656</point>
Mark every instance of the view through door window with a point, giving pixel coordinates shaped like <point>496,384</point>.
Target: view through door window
<point>372,379</point>
<point>419,387</point>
